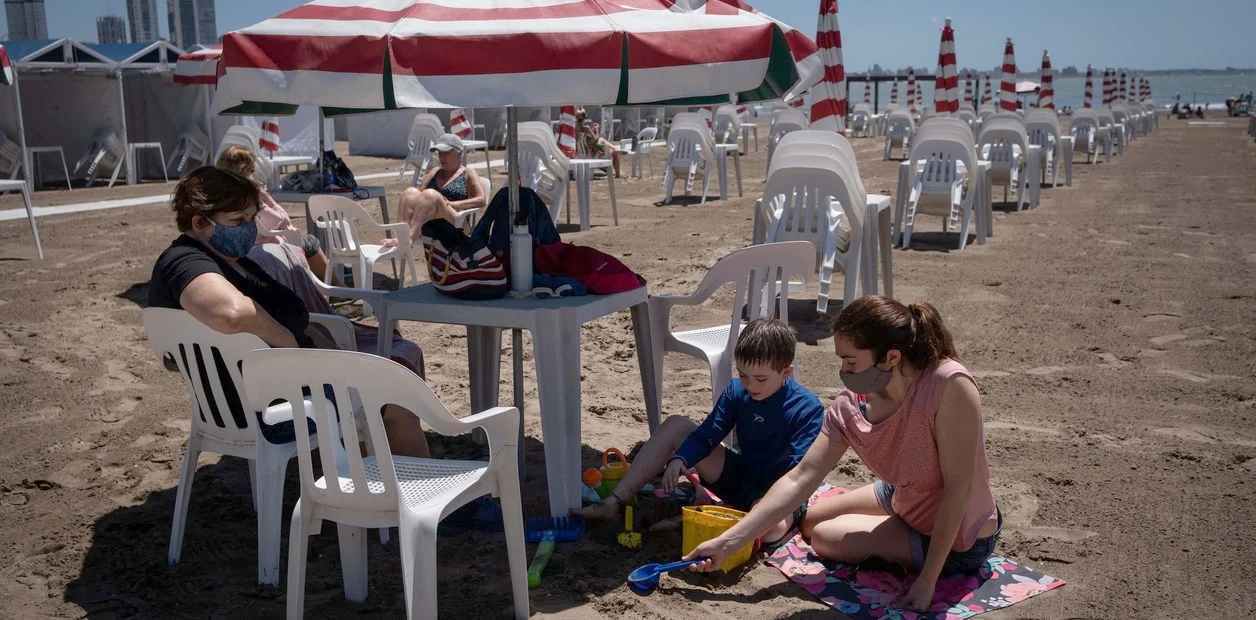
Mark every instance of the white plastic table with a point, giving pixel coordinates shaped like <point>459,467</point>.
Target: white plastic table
<point>582,173</point>
<point>555,326</point>
<point>878,244</point>
<point>479,145</point>
<point>722,151</point>
<point>279,164</point>
<point>35,151</point>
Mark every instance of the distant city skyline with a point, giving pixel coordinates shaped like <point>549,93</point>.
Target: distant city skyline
<point>26,19</point>
<point>111,29</point>
<point>1169,34</point>
<point>142,16</point>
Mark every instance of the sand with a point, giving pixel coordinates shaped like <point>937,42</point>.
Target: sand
<point>1111,330</point>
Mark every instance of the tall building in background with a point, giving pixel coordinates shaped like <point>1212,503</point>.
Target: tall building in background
<point>143,17</point>
<point>110,29</point>
<point>27,20</point>
<point>192,22</point>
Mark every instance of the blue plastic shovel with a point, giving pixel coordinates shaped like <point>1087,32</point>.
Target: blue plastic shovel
<point>645,579</point>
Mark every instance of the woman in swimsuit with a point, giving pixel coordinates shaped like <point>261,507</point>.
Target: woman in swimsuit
<point>444,191</point>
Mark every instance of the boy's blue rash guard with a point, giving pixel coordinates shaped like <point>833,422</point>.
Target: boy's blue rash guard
<point>772,434</point>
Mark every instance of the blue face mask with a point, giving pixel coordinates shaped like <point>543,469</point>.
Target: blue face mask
<point>234,241</point>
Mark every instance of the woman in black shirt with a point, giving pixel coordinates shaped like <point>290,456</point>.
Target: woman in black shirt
<point>205,273</point>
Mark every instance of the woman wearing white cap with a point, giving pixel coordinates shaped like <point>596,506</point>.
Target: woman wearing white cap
<point>445,189</point>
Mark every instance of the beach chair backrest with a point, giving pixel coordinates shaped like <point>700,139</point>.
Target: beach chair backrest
<point>761,274</point>
<point>341,219</point>
<point>687,145</point>
<point>804,188</point>
<point>950,151</point>
<point>727,124</point>
<point>1002,129</point>
<point>425,129</point>
<point>209,364</point>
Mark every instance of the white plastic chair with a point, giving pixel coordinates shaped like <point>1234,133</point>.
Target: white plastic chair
<point>1116,131</point>
<point>784,121</point>
<point>542,166</point>
<point>899,127</point>
<point>809,197</point>
<point>10,157</point>
<point>344,221</point>
<point>941,188</point>
<point>761,275</point>
<point>105,150</point>
<point>1005,143</point>
<point>689,153</point>
<point>1043,128</point>
<point>423,132</point>
<point>192,146</point>
<point>209,363</point>
<point>645,144</point>
<point>727,124</point>
<point>1090,135</point>
<point>411,494</point>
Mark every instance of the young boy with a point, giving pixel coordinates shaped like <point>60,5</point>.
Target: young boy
<point>776,419</point>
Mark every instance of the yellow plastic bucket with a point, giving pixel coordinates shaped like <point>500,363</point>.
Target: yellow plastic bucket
<point>702,523</point>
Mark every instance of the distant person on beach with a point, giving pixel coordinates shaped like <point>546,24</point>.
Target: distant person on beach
<point>272,217</point>
<point>207,273</point>
<point>774,417</point>
<point>590,144</point>
<point>913,415</point>
<point>1199,112</point>
<point>445,190</point>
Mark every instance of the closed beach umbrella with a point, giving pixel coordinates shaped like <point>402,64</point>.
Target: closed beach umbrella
<point>911,90</point>
<point>828,107</point>
<point>567,130</point>
<point>868,91</point>
<point>986,96</point>
<point>894,92</point>
<point>6,68</point>
<point>1046,93</point>
<point>459,125</point>
<point>1088,101</point>
<point>199,67</point>
<point>946,86</point>
<point>1120,89</point>
<point>1108,89</point>
<point>968,90</point>
<point>269,140</point>
<point>1007,89</point>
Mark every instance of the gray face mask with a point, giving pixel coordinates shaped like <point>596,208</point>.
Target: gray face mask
<point>868,381</point>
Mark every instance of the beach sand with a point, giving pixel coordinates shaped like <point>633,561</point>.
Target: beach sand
<point>1112,333</point>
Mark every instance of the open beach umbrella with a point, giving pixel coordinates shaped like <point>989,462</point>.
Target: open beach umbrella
<point>1046,93</point>
<point>806,52</point>
<point>1007,88</point>
<point>986,96</point>
<point>911,90</point>
<point>8,77</point>
<point>894,91</point>
<point>1088,101</point>
<point>946,87</point>
<point>828,108</point>
<point>567,130</point>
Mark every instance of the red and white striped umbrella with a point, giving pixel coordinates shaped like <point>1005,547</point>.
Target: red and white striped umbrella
<point>986,91</point>
<point>567,130</point>
<point>828,108</point>
<point>385,54</point>
<point>269,140</point>
<point>946,87</point>
<point>868,90</point>
<point>1088,100</point>
<point>1131,94</point>
<point>1007,88</point>
<point>1107,87</point>
<point>199,67</point>
<point>911,90</point>
<point>968,90</point>
<point>1145,90</point>
<point>1046,92</point>
<point>459,125</point>
<point>894,92</point>
<point>6,67</point>
<point>920,98</point>
<point>1120,89</point>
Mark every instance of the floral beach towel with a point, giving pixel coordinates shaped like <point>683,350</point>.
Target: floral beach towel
<point>861,593</point>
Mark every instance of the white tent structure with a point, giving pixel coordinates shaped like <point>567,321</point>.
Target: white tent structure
<point>71,90</point>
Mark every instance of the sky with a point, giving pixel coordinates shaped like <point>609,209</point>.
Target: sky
<point>1139,34</point>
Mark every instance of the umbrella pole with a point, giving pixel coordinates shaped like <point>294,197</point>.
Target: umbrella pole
<point>520,237</point>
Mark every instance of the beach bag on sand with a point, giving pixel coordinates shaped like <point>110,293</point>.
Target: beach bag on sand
<point>601,273</point>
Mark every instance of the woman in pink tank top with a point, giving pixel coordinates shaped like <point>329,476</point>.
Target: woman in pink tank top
<point>913,415</point>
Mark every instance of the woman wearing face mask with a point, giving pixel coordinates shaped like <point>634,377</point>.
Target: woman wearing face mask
<point>206,273</point>
<point>913,415</point>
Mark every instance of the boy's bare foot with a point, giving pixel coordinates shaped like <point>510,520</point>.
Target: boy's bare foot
<point>605,511</point>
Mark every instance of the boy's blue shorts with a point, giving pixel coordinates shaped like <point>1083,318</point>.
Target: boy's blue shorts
<point>736,484</point>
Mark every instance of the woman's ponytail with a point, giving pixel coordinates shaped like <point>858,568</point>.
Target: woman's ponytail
<point>931,340</point>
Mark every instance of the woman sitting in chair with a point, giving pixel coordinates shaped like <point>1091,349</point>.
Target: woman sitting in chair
<point>447,190</point>
<point>590,144</point>
<point>206,273</point>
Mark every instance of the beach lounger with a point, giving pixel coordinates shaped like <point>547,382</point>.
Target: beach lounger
<point>412,494</point>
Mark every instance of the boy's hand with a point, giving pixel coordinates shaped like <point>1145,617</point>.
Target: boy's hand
<point>671,474</point>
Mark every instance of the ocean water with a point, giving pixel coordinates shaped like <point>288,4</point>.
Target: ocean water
<point>1208,89</point>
